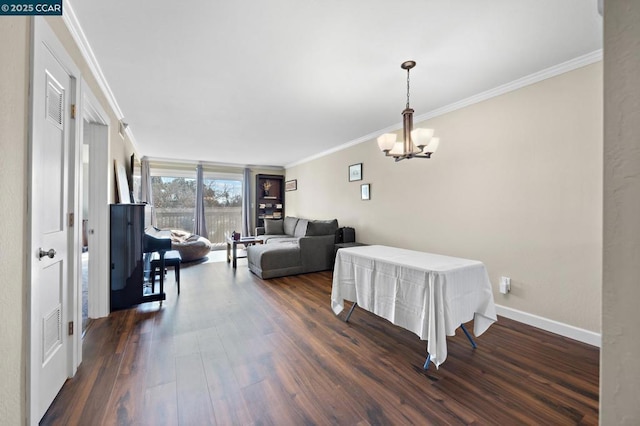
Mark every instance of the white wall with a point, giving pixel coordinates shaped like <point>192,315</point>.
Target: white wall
<point>516,183</point>
<point>619,361</point>
<point>14,80</point>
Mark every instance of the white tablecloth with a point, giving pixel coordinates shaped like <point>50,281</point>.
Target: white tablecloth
<point>427,294</point>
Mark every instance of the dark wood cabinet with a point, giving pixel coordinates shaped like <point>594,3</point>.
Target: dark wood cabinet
<point>269,198</point>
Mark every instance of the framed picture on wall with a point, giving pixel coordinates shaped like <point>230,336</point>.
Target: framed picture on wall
<point>122,184</point>
<point>291,185</point>
<point>355,172</point>
<point>135,179</point>
<point>365,191</point>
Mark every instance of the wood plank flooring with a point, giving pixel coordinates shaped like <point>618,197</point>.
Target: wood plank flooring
<point>236,350</point>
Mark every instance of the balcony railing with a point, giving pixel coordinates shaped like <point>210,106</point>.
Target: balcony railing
<point>220,221</point>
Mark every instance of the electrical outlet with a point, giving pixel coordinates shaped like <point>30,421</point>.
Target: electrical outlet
<point>505,285</point>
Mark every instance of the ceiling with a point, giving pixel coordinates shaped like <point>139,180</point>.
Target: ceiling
<point>274,82</point>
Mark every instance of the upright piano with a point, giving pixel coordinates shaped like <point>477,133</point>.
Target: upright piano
<point>129,244</point>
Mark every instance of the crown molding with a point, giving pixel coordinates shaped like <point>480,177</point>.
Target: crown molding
<point>570,65</point>
<point>71,21</point>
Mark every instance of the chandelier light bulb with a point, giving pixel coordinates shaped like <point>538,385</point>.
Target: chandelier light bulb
<point>398,149</point>
<point>433,145</point>
<point>421,137</point>
<point>386,141</point>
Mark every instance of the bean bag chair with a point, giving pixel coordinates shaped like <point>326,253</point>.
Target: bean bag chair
<point>191,246</point>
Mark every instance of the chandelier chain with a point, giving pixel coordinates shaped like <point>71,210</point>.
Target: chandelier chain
<point>407,88</point>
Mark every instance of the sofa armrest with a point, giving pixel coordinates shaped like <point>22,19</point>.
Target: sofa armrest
<point>317,252</point>
<point>259,230</point>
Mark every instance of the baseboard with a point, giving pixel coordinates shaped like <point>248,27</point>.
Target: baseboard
<point>575,333</point>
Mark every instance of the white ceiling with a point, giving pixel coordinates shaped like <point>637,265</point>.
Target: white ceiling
<point>273,82</point>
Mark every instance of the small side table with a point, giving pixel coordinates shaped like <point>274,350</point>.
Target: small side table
<point>232,254</point>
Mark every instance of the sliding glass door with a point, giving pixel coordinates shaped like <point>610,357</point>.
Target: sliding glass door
<point>174,200</point>
<point>222,205</point>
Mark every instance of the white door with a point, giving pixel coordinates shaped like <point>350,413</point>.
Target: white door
<point>96,136</point>
<point>50,231</point>
<point>95,133</point>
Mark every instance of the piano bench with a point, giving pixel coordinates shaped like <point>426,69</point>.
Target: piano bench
<point>172,258</point>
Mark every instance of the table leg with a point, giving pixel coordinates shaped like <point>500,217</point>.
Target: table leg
<point>235,258</point>
<point>426,363</point>
<point>350,312</point>
<point>468,336</point>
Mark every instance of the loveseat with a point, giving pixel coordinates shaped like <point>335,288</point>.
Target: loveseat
<point>293,246</point>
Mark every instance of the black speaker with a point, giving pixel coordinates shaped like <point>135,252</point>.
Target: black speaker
<point>348,235</point>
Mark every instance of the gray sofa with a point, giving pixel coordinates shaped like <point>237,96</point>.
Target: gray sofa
<point>293,246</point>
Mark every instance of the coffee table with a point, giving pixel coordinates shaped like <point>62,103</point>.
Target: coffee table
<point>232,254</point>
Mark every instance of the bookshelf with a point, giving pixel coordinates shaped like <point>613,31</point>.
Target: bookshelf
<point>269,198</point>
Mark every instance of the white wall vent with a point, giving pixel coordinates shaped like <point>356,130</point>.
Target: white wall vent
<point>51,333</point>
<point>55,102</point>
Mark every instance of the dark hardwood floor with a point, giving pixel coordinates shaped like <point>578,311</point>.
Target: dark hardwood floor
<point>235,350</point>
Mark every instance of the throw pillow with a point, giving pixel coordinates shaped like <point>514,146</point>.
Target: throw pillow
<point>273,227</point>
<point>301,228</point>
<point>322,227</point>
<point>290,225</point>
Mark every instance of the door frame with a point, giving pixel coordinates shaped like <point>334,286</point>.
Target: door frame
<point>41,33</point>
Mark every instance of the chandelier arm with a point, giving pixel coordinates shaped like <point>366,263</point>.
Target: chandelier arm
<point>409,156</point>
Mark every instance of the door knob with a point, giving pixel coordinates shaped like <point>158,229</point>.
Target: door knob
<point>51,253</point>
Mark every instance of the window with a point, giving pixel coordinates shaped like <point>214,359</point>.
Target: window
<point>222,205</point>
<point>174,200</point>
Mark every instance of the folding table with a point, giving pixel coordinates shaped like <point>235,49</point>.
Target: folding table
<point>428,294</point>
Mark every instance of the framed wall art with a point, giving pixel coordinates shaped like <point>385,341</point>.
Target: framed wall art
<point>291,185</point>
<point>365,191</point>
<point>122,184</point>
<point>355,172</point>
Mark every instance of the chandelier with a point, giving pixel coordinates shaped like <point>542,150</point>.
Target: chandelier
<point>418,143</point>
